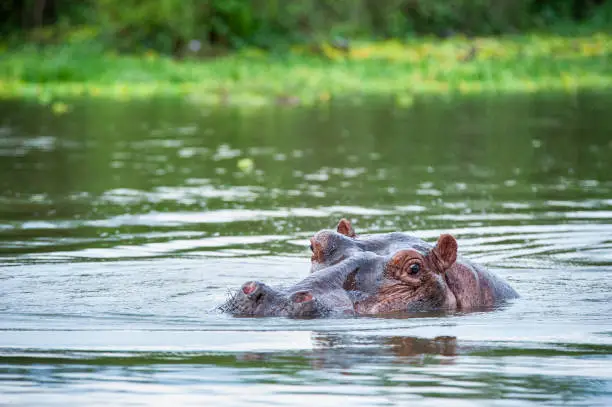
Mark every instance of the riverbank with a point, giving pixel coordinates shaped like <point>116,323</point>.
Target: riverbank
<point>308,75</point>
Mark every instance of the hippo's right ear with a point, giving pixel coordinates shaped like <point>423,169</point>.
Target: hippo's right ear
<point>345,228</point>
<point>445,253</point>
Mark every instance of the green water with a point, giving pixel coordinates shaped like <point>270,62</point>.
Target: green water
<point>123,226</point>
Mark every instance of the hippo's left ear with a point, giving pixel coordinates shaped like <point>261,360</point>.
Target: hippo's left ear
<point>345,228</point>
<point>445,253</point>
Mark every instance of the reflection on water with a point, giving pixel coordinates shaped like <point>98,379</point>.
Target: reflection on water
<point>122,227</point>
<point>366,370</point>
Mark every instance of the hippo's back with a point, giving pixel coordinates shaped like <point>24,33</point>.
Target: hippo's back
<point>494,288</point>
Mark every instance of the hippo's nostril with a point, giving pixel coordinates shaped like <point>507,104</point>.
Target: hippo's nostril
<point>249,288</point>
<point>302,296</point>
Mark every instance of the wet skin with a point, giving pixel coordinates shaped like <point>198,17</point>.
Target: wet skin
<point>409,274</point>
<point>330,247</point>
<point>318,295</point>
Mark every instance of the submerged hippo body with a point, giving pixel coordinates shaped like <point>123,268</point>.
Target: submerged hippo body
<point>409,274</point>
<point>319,295</point>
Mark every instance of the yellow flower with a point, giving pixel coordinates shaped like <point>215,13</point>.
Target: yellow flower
<point>360,53</point>
<point>590,49</point>
<point>330,52</point>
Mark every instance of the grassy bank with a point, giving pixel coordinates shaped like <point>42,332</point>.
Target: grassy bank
<point>307,75</point>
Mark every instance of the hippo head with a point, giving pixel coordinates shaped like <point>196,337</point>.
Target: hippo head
<point>255,299</point>
<point>413,281</point>
<point>320,294</point>
<point>330,247</point>
<point>306,304</point>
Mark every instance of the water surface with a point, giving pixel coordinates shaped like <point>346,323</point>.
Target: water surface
<point>123,226</point>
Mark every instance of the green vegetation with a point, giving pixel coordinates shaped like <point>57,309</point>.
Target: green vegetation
<point>252,52</point>
<point>167,26</point>
<point>252,76</point>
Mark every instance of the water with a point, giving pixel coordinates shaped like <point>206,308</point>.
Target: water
<point>123,226</point>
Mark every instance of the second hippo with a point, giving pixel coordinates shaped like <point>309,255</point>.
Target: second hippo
<point>408,274</point>
<point>329,247</point>
<point>319,295</point>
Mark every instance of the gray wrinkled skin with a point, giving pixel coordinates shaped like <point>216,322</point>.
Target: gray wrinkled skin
<point>318,295</point>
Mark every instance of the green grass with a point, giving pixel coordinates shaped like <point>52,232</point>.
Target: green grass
<point>530,63</point>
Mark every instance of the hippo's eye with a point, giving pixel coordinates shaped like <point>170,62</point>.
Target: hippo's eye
<point>414,268</point>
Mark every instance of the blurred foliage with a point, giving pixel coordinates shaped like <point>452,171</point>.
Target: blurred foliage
<point>176,26</point>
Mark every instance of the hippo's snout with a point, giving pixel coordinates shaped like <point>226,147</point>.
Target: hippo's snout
<point>305,305</point>
<point>251,289</point>
<point>257,293</point>
<point>302,297</point>
<point>256,299</point>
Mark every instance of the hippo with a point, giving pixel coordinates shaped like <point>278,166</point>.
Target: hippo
<point>321,294</point>
<point>406,274</point>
